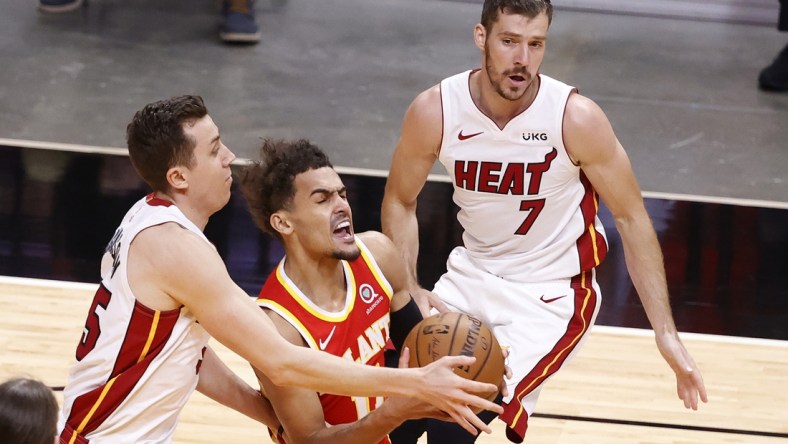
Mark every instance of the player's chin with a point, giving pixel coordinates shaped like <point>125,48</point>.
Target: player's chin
<point>347,252</point>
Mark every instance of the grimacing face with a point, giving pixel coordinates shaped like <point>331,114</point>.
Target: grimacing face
<point>513,52</point>
<point>320,215</point>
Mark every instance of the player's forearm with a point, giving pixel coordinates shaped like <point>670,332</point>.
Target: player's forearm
<point>219,383</point>
<point>401,226</point>
<point>326,373</point>
<point>368,430</point>
<point>647,270</point>
<point>290,365</point>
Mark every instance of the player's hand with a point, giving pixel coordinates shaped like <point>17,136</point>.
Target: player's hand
<point>454,394</point>
<point>504,387</point>
<point>689,382</point>
<point>426,300</point>
<point>412,408</point>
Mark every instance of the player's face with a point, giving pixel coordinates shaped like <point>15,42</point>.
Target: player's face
<point>321,215</point>
<point>210,177</point>
<point>512,53</point>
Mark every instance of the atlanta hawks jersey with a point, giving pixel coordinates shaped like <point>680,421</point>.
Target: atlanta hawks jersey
<point>359,332</point>
<point>136,366</point>
<point>529,213</point>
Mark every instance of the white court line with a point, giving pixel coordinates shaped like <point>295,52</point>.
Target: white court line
<point>645,332</point>
<point>604,329</point>
<point>72,147</point>
<point>383,173</point>
<point>47,283</point>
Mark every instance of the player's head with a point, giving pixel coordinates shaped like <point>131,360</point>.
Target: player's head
<point>512,36</point>
<point>28,412</point>
<point>174,144</point>
<point>492,9</point>
<point>294,193</point>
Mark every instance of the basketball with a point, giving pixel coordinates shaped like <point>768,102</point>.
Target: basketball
<point>452,334</point>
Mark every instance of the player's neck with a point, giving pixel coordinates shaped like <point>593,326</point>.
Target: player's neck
<point>192,212</point>
<point>497,108</point>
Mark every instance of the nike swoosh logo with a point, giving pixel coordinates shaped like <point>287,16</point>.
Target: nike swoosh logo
<point>462,136</point>
<point>547,301</point>
<point>324,344</point>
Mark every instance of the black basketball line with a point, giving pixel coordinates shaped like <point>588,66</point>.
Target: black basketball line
<point>453,334</point>
<point>487,357</point>
<point>416,345</point>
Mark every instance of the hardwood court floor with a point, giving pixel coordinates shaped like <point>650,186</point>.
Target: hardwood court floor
<point>617,390</point>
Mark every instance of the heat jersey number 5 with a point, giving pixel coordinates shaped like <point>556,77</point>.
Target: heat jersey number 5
<point>92,330</point>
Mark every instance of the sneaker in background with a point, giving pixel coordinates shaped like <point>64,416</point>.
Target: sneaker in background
<point>57,6</point>
<point>239,24</point>
<point>775,76</point>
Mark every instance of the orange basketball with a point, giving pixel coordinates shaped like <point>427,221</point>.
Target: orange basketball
<point>452,334</point>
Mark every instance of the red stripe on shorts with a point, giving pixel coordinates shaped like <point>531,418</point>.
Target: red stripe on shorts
<point>585,305</point>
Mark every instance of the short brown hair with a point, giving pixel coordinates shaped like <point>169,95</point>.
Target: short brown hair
<point>156,139</point>
<point>528,8</point>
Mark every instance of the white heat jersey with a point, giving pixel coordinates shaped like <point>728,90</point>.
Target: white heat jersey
<point>136,367</point>
<point>529,213</point>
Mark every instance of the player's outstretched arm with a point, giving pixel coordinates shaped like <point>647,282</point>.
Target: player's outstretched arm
<point>414,156</point>
<point>219,383</point>
<point>302,414</point>
<point>200,282</point>
<point>591,142</point>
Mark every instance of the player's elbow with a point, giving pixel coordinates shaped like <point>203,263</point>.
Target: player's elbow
<point>282,371</point>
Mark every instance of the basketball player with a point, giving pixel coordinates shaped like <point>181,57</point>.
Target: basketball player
<point>334,291</point>
<point>528,157</point>
<point>165,290</point>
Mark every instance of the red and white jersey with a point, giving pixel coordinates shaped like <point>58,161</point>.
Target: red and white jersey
<point>136,367</point>
<point>529,213</point>
<point>359,332</point>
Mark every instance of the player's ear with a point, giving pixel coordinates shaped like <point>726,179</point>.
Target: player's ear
<point>176,178</point>
<point>280,223</point>
<point>479,36</point>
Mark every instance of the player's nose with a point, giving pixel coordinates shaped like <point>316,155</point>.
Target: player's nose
<point>229,156</point>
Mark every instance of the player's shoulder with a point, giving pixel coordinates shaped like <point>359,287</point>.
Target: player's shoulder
<point>167,234</point>
<point>386,255</point>
<point>428,100</point>
<point>171,242</point>
<point>377,243</point>
<point>382,249</point>
<point>582,111</point>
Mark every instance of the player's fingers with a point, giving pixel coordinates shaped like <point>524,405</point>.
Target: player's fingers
<point>697,380</point>
<point>682,394</point>
<point>404,357</point>
<point>702,392</point>
<point>459,418</point>
<point>457,360</point>
<point>687,395</point>
<point>504,389</point>
<point>481,403</point>
<point>424,307</point>
<point>475,422</point>
<point>438,304</point>
<point>478,424</point>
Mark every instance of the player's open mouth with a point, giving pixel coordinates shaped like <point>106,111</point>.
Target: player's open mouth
<point>343,230</point>
<point>517,79</point>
